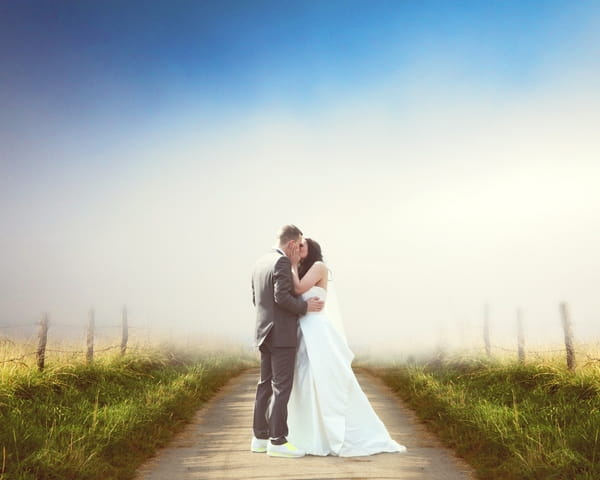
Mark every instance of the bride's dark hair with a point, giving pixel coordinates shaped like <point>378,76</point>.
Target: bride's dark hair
<point>314,255</point>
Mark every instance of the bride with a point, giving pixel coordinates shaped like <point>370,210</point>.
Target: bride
<point>328,413</point>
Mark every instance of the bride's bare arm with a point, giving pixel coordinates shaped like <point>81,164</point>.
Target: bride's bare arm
<point>296,280</point>
<point>314,275</point>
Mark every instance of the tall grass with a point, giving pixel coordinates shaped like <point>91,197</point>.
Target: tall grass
<point>100,421</point>
<point>510,421</point>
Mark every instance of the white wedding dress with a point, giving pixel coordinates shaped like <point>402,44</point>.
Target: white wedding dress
<point>328,413</point>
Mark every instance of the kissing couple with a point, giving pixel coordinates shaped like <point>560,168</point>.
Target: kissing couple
<point>308,400</point>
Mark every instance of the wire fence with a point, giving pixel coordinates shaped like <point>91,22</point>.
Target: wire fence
<point>571,350</point>
<point>38,348</point>
<point>102,338</point>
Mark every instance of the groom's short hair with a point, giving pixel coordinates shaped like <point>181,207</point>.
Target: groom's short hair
<point>289,232</point>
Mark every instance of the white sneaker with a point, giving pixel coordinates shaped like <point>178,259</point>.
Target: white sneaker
<point>258,445</point>
<point>287,450</point>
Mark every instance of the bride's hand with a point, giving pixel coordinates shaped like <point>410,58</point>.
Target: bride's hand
<point>295,255</point>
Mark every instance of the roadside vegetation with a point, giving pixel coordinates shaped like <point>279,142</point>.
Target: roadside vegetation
<point>101,420</point>
<point>510,421</point>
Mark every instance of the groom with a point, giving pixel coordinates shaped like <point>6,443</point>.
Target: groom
<point>277,312</point>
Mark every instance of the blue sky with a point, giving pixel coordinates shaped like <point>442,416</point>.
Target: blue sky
<point>140,140</point>
<point>85,74</point>
<point>102,61</point>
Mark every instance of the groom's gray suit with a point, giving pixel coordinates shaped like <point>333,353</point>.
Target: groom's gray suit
<point>277,312</point>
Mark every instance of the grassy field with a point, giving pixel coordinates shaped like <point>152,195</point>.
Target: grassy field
<point>510,421</point>
<point>100,421</point>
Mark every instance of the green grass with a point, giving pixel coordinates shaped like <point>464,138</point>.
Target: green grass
<point>509,421</point>
<point>100,421</point>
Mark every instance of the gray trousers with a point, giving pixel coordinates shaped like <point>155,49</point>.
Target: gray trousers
<point>273,392</point>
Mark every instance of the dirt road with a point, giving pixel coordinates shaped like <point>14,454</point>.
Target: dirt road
<point>216,445</point>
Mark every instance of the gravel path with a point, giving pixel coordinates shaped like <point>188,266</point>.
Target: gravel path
<point>216,445</point>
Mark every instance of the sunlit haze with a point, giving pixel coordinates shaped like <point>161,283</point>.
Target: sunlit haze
<point>444,156</point>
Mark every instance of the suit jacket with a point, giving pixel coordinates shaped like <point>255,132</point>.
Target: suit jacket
<point>277,308</point>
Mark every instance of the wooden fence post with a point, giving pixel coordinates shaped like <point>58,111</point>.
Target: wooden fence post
<point>486,330</point>
<point>42,340</point>
<point>125,332</point>
<point>90,337</point>
<point>520,336</point>
<point>567,327</point>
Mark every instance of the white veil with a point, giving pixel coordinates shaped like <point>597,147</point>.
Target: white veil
<point>332,308</point>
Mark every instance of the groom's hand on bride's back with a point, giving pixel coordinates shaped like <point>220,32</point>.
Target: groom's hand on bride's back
<point>314,304</point>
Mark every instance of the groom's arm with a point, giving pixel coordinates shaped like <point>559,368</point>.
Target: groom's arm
<point>284,287</point>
